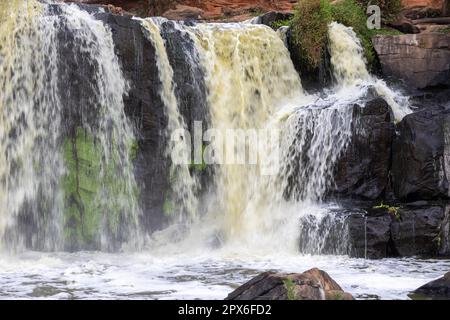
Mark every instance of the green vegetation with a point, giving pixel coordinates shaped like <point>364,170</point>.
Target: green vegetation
<point>311,19</point>
<point>168,207</point>
<point>445,30</point>
<point>337,296</point>
<point>390,209</point>
<point>389,8</point>
<point>352,14</point>
<point>289,285</point>
<point>310,30</point>
<point>280,23</point>
<point>199,166</point>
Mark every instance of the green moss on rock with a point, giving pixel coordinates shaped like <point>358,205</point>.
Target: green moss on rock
<point>95,196</point>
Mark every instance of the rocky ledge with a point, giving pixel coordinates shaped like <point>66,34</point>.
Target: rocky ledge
<point>313,284</point>
<point>420,60</point>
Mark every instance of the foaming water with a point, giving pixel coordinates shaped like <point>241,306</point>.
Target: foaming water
<point>98,275</point>
<point>351,74</point>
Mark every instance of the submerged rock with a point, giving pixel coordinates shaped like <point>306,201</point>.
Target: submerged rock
<point>313,284</point>
<point>435,290</point>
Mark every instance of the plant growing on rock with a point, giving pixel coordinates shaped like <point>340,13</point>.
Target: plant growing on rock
<point>390,209</point>
<point>310,30</point>
<point>289,285</point>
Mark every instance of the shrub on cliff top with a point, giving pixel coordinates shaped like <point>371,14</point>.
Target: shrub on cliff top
<point>389,8</point>
<point>310,30</point>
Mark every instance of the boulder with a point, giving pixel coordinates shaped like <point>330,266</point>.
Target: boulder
<point>363,170</point>
<point>313,284</point>
<point>421,156</point>
<point>420,60</point>
<point>435,290</point>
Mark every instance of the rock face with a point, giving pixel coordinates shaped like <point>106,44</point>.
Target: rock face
<point>420,60</point>
<point>313,284</point>
<point>435,290</point>
<point>421,156</point>
<point>437,4</point>
<point>363,170</point>
<point>416,229</point>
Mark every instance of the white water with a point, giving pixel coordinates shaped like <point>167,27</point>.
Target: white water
<point>144,275</point>
<point>32,162</point>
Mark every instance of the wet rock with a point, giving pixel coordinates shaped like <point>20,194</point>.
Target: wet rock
<point>143,106</point>
<point>313,284</point>
<point>416,230</point>
<point>363,170</point>
<point>369,235</point>
<point>420,60</point>
<point>435,290</point>
<point>403,230</point>
<point>421,156</point>
<point>315,79</point>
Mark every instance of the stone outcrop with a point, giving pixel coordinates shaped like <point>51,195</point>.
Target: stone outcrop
<point>363,170</point>
<point>435,290</point>
<point>420,60</point>
<point>313,284</point>
<point>421,156</point>
<point>399,230</point>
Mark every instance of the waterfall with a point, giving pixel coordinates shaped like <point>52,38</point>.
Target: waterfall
<point>30,165</point>
<point>66,173</point>
<point>251,85</point>
<point>66,145</point>
<point>257,79</point>
<point>351,74</point>
<point>183,185</point>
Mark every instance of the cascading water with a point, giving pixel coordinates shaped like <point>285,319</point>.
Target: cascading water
<point>351,74</point>
<point>183,185</point>
<point>62,149</point>
<point>252,85</point>
<point>30,119</point>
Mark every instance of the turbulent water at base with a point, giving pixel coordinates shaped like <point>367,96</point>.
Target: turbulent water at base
<point>33,168</point>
